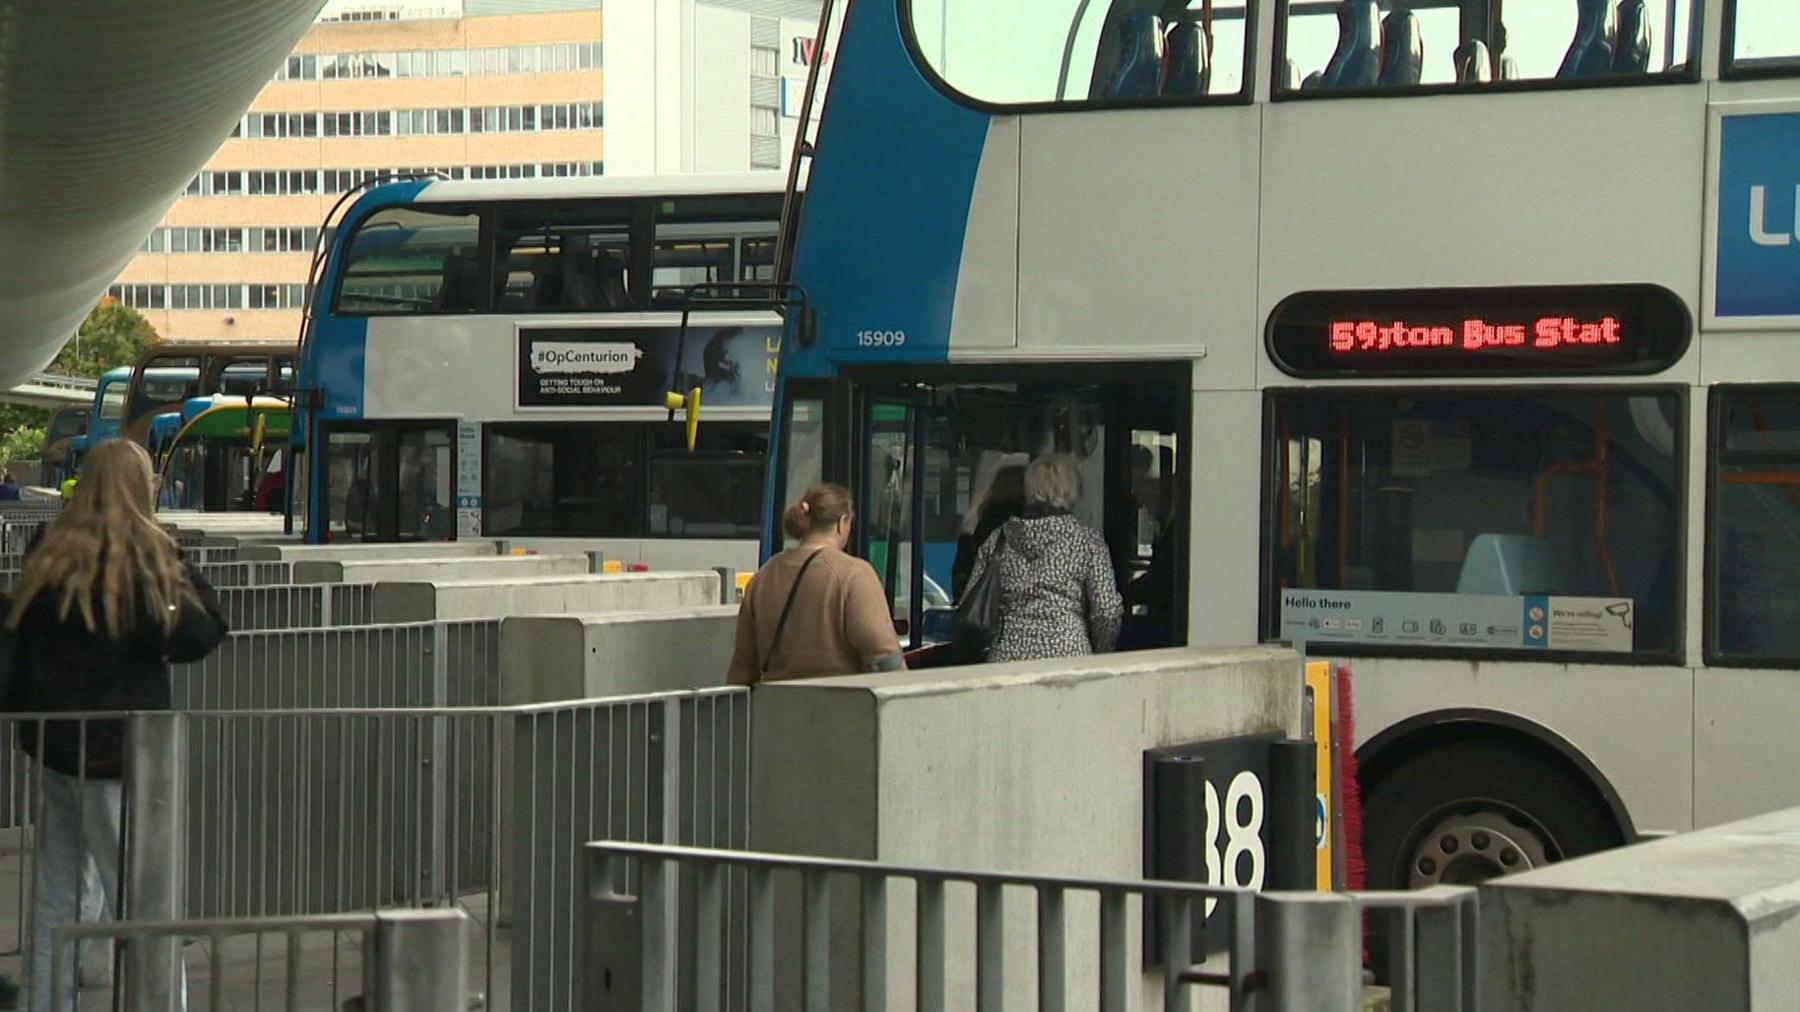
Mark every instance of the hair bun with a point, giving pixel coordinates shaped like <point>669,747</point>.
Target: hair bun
<point>805,507</point>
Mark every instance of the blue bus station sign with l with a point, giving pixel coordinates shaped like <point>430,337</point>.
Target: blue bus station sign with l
<point>1758,272</point>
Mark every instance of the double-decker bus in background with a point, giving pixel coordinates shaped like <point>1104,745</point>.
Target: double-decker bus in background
<point>167,376</point>
<point>491,359</point>
<point>1458,337</point>
<point>223,452</point>
<point>106,416</point>
<point>67,426</point>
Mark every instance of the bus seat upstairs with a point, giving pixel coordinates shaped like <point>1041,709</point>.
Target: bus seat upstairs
<point>580,289</point>
<point>1402,49</point>
<point>613,292</point>
<point>1590,53</point>
<point>1474,64</point>
<point>1290,77</point>
<point>1314,81</point>
<point>1509,69</point>
<point>1356,63</point>
<point>1509,565</point>
<point>1140,70</point>
<point>1631,46</point>
<point>462,280</point>
<point>1190,66</point>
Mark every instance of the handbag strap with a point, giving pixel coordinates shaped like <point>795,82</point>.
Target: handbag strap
<point>787,609</point>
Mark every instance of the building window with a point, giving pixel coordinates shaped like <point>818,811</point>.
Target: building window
<point>765,62</point>
<point>548,57</point>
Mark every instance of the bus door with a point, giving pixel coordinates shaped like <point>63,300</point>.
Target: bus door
<point>941,465</point>
<point>390,481</point>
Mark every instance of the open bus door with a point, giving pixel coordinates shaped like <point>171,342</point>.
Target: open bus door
<point>927,449</point>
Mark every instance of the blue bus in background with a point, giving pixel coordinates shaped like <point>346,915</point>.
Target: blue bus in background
<point>106,418</point>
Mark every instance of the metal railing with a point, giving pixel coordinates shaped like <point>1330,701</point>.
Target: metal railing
<point>83,384</point>
<point>287,606</point>
<point>19,527</point>
<point>413,665</point>
<point>244,574</point>
<point>407,959</point>
<point>1275,951</point>
<point>297,812</point>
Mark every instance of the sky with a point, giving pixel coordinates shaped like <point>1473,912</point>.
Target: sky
<point>1011,50</point>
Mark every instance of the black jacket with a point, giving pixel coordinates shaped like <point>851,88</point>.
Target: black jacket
<point>62,666</point>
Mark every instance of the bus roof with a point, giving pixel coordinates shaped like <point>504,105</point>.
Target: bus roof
<point>694,185</point>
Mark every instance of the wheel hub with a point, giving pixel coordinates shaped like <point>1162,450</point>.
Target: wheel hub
<point>1471,847</point>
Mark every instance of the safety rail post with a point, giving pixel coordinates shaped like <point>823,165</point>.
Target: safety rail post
<point>1445,952</point>
<point>436,758</point>
<point>596,562</point>
<point>156,788</point>
<point>417,959</point>
<point>1311,948</point>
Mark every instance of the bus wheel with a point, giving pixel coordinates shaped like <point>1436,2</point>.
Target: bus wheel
<point>1464,812</point>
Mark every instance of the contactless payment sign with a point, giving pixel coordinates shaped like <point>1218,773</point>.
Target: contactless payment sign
<point>1758,222</point>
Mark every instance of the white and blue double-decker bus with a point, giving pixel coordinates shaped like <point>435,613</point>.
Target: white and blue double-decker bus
<point>1457,337</point>
<point>491,359</point>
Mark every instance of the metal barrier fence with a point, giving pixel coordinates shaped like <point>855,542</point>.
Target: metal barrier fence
<point>407,959</point>
<point>414,665</point>
<point>287,812</point>
<point>17,529</point>
<point>309,606</point>
<point>245,574</point>
<point>1279,952</point>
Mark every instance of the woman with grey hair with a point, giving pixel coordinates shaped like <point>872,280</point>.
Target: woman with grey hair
<point>1057,596</point>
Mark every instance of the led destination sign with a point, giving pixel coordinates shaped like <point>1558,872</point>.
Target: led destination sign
<point>1452,332</point>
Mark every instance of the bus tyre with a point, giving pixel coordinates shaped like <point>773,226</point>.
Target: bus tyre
<point>1468,811</point>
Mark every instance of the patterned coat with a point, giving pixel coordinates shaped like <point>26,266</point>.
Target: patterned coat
<point>1057,595</point>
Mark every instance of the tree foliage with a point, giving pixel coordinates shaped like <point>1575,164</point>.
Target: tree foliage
<point>22,444</point>
<point>113,335</point>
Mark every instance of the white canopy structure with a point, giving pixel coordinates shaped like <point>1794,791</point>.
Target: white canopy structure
<point>107,109</point>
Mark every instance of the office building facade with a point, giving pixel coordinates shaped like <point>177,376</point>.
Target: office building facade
<point>489,89</point>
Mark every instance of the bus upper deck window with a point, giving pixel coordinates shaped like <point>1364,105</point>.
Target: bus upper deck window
<point>564,258</point>
<point>412,261</point>
<point>1038,52</point>
<point>1763,38</point>
<point>1358,45</point>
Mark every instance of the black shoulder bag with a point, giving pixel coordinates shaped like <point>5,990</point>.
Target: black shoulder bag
<point>978,613</point>
<point>786,609</point>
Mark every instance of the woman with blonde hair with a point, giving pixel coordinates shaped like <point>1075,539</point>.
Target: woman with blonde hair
<point>814,609</point>
<point>104,604</point>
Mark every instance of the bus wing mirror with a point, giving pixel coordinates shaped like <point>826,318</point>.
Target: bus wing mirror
<point>806,329</point>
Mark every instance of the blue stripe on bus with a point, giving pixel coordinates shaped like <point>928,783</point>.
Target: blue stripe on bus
<point>887,203</point>
<point>333,361</point>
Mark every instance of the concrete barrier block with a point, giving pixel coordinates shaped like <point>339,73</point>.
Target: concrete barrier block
<point>462,569</point>
<point>545,659</point>
<point>552,595</point>
<point>1033,767</point>
<point>1708,919</point>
